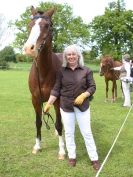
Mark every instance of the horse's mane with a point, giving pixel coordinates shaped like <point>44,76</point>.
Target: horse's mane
<point>107,57</point>
<point>107,60</point>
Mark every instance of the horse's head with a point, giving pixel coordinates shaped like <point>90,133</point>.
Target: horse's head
<point>101,70</point>
<point>40,32</point>
<point>105,65</point>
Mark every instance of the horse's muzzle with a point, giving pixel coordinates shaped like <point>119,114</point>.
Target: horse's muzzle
<point>30,51</point>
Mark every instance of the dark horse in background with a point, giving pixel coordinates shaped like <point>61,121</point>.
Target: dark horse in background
<point>106,65</point>
<point>43,71</point>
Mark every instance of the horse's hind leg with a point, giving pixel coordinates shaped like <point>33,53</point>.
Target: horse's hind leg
<point>115,90</point>
<point>58,126</point>
<point>38,111</point>
<point>122,89</point>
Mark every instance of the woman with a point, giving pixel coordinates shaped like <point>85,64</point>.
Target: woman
<point>74,85</point>
<point>125,77</point>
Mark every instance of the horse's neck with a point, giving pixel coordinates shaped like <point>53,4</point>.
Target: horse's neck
<point>45,62</point>
<point>107,70</point>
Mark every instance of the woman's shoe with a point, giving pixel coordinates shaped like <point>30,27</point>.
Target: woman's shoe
<point>96,165</point>
<point>72,162</point>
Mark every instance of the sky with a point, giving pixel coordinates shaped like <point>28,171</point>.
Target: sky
<point>87,9</point>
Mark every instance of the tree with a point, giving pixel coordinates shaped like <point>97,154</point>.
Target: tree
<point>67,29</point>
<point>7,54</point>
<point>112,32</point>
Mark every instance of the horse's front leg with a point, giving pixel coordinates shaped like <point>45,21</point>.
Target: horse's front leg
<point>38,110</point>
<point>107,89</point>
<point>59,127</point>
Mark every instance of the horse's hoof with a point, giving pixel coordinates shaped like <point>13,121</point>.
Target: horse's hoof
<point>35,151</point>
<point>61,156</point>
<point>56,133</point>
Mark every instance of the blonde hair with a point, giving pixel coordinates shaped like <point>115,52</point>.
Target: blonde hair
<point>75,49</point>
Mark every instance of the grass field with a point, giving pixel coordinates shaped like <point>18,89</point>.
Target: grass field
<point>17,135</point>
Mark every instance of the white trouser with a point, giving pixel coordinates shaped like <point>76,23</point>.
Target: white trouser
<point>126,92</point>
<point>83,119</point>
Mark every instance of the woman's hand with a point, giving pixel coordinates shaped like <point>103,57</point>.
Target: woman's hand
<point>47,107</point>
<point>79,100</point>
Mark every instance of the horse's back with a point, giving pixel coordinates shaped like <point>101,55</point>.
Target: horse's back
<point>117,63</point>
<point>117,73</point>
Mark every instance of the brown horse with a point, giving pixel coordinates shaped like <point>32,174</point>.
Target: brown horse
<point>106,65</point>
<point>43,71</point>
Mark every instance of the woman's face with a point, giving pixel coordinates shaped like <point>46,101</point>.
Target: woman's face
<point>72,58</point>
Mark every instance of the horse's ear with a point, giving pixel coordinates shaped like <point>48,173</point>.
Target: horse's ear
<point>50,12</point>
<point>33,11</point>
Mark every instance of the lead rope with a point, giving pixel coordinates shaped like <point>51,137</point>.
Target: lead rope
<point>43,113</point>
<point>114,142</point>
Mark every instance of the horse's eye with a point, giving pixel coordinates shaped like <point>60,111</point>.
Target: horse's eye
<point>44,26</point>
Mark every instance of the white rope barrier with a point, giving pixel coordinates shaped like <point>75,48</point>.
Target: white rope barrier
<point>114,142</point>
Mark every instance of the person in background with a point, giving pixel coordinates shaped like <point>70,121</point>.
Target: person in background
<point>131,74</point>
<point>75,85</point>
<point>125,70</point>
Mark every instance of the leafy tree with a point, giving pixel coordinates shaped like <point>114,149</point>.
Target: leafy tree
<point>67,29</point>
<point>23,58</point>
<point>8,54</point>
<point>112,32</point>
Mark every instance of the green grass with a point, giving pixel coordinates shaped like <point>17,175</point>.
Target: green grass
<point>20,66</point>
<point>17,135</point>
<point>26,66</point>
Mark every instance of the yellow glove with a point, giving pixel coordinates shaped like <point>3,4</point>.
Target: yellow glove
<point>47,107</point>
<point>79,100</point>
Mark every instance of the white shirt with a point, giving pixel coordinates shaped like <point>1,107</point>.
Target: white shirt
<point>127,67</point>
